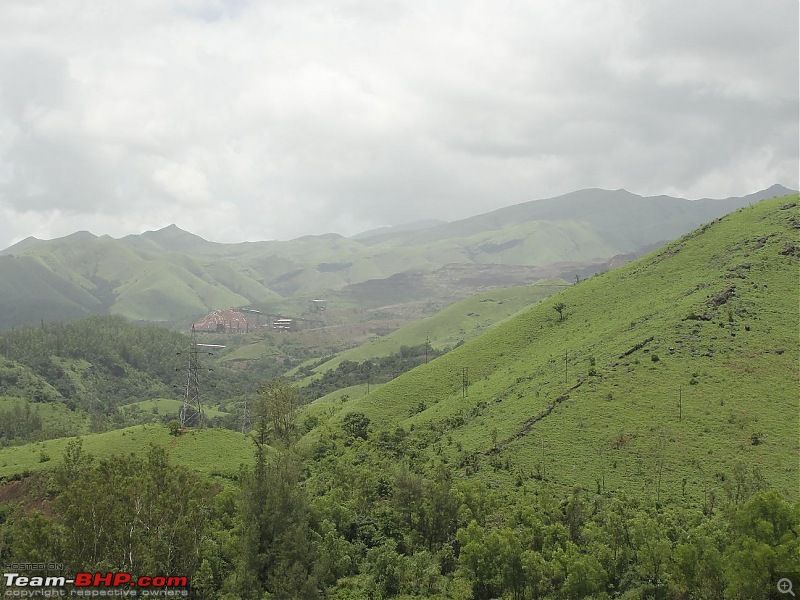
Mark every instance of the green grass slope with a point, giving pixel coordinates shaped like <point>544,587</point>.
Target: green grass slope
<point>168,292</point>
<point>456,323</point>
<point>661,378</point>
<point>31,291</point>
<point>207,451</point>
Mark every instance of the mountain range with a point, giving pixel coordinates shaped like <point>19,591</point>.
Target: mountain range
<point>173,276</point>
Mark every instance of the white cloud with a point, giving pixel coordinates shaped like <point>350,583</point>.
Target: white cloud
<point>122,117</point>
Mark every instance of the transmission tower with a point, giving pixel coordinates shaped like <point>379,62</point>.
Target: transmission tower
<point>247,423</point>
<point>192,411</point>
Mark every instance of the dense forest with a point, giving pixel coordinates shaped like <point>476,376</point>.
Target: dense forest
<point>350,517</point>
<point>97,367</point>
<point>380,370</point>
<point>120,361</point>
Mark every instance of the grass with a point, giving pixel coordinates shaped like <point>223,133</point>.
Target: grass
<point>167,406</point>
<point>207,451</point>
<point>455,324</point>
<point>167,292</point>
<point>335,402</point>
<point>593,400</point>
<point>57,419</point>
<point>590,400</point>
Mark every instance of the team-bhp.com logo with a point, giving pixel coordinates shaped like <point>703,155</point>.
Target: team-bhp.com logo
<point>94,585</point>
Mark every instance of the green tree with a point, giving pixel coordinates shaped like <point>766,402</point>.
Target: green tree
<point>537,574</point>
<point>481,559</point>
<point>419,574</point>
<point>699,566</point>
<point>355,425</point>
<point>382,566</point>
<point>275,413</point>
<point>585,574</point>
<point>277,554</point>
<point>653,551</point>
<point>560,308</point>
<point>765,540</point>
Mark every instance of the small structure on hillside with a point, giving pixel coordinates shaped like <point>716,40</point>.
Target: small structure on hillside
<point>283,324</point>
<point>224,320</point>
<point>319,305</point>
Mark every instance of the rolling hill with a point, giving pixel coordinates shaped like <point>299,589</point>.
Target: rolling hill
<point>173,276</point>
<point>660,378</point>
<point>449,327</point>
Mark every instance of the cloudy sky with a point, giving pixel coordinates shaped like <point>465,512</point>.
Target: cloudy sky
<point>252,120</point>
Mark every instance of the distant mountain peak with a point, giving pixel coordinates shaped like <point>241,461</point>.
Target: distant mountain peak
<point>171,229</point>
<point>80,235</point>
<point>175,239</point>
<point>780,190</point>
<point>22,245</point>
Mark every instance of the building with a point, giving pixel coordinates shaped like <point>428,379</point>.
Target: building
<point>283,324</point>
<point>224,320</point>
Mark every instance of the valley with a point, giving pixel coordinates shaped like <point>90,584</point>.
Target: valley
<point>554,430</point>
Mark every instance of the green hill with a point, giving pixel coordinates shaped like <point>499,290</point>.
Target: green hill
<point>102,372</point>
<point>32,288</point>
<point>173,276</point>
<point>660,378</point>
<point>447,328</point>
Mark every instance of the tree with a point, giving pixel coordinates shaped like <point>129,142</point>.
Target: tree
<point>560,307</point>
<point>537,573</point>
<point>585,575</point>
<point>653,550</point>
<point>275,412</point>
<point>765,541</point>
<point>277,554</point>
<point>355,425</point>
<point>383,567</point>
<point>130,514</point>
<point>481,559</point>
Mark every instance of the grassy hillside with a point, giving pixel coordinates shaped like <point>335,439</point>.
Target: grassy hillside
<point>31,288</point>
<point>99,373</point>
<point>207,451</point>
<point>168,407</point>
<point>659,379</point>
<point>171,275</point>
<point>453,325</point>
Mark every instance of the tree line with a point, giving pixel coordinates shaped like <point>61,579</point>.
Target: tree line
<point>377,370</point>
<point>346,516</point>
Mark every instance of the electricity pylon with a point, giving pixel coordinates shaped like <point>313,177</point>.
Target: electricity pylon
<point>191,414</point>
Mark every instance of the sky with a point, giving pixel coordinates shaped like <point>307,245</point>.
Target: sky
<point>254,120</point>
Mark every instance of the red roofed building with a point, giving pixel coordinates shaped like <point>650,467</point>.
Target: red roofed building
<point>224,320</point>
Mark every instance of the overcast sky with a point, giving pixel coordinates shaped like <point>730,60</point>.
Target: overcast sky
<point>253,120</point>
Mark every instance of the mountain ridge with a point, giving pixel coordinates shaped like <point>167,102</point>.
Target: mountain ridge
<point>171,275</point>
<point>173,229</point>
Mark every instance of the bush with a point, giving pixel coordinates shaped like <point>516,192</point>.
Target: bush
<point>355,425</point>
